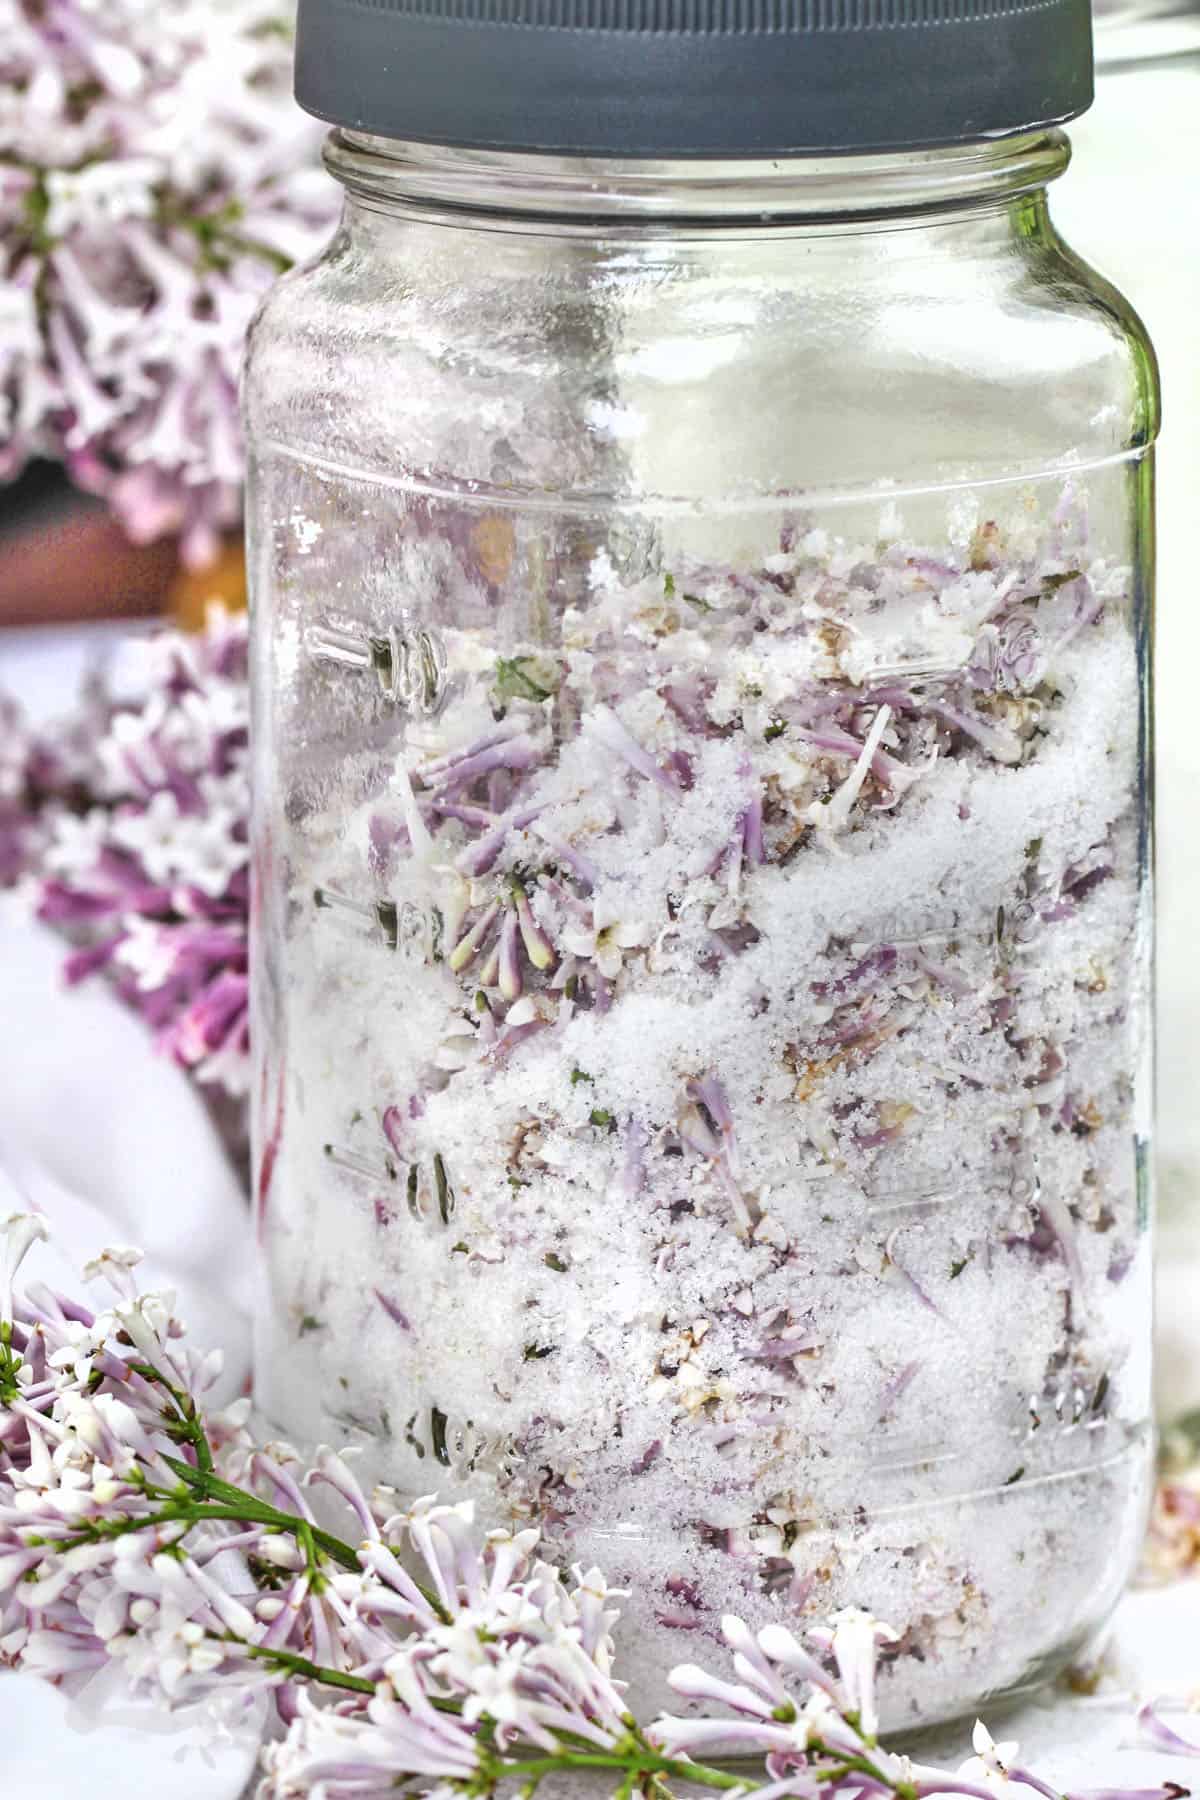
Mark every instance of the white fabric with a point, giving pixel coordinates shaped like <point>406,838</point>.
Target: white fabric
<point>111,1142</point>
<point>47,1756</point>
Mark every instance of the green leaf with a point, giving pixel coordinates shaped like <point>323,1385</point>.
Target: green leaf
<point>1052,583</point>
<point>514,681</point>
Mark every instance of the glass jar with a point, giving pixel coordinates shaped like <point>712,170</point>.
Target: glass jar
<point>1126,204</point>
<point>702,872</point>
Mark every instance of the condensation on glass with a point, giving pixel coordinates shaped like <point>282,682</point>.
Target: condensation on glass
<point>702,884</point>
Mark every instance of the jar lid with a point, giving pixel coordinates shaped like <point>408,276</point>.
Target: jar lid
<point>676,78</point>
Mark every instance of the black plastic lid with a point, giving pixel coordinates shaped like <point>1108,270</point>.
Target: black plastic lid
<point>663,78</point>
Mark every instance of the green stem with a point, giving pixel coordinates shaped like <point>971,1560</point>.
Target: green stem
<point>642,1764</point>
<point>253,1511</point>
<point>275,259</point>
<point>10,1387</point>
<point>207,1485</point>
<point>300,1665</point>
<point>638,1764</point>
<point>861,1765</point>
<point>247,1511</point>
<point>188,1425</point>
<point>335,1547</point>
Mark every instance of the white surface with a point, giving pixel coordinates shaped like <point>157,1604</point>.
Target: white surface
<point>44,664</point>
<point>46,1757</point>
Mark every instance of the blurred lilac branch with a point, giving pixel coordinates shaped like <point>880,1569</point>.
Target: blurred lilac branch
<point>155,177</point>
<point>127,825</point>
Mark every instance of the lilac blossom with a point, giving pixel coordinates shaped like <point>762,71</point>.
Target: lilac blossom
<point>25,764</point>
<point>606,938</point>
<point>157,176</point>
<point>853,1638</point>
<point>148,871</point>
<point>40,769</point>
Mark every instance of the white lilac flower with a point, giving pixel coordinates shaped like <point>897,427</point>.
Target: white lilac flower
<point>605,937</point>
<point>833,815</point>
<point>991,1763</point>
<point>156,177</point>
<point>76,843</point>
<point>20,1231</point>
<point>853,1638</point>
<point>336,1754</point>
<point>172,844</point>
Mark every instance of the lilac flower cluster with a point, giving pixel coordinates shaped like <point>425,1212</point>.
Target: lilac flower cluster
<point>146,865</point>
<point>32,774</point>
<point>155,177</point>
<point>135,1529</point>
<point>1173,1541</point>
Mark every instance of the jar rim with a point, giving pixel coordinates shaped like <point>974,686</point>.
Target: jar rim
<point>706,191</point>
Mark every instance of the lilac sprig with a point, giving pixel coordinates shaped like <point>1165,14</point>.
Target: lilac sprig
<point>30,777</point>
<point>155,177</point>
<point>138,1528</point>
<point>148,871</point>
<point>121,1538</point>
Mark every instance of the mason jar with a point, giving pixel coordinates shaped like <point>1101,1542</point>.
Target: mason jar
<point>1124,205</point>
<point>700,582</point>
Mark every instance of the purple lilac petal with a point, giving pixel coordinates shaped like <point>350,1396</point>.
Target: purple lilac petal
<point>1159,1735</point>
<point>613,734</point>
<point>392,1310</point>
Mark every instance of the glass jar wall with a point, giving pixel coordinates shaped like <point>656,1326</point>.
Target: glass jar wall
<point>1128,204</point>
<point>702,855</point>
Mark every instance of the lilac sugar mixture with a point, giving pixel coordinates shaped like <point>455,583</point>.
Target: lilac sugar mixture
<point>720,1021</point>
